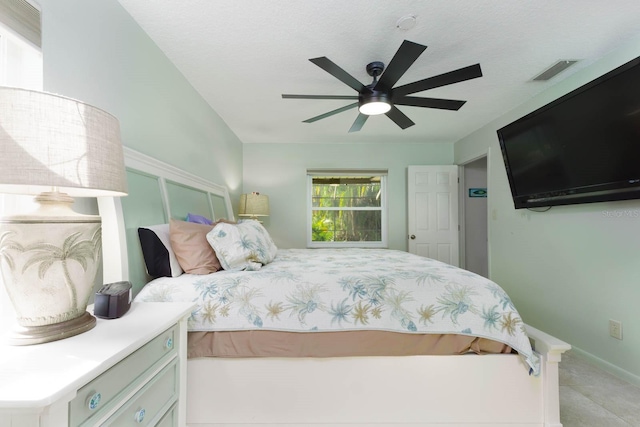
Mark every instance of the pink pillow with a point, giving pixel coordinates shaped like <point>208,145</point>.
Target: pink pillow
<point>190,245</point>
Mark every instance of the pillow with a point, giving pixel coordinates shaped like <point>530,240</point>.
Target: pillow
<point>243,246</point>
<point>157,252</point>
<point>198,219</point>
<point>193,251</point>
<point>224,220</point>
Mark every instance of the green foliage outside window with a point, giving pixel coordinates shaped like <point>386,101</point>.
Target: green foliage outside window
<point>346,209</point>
<point>320,229</point>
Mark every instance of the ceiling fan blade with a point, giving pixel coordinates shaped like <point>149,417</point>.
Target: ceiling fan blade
<point>357,125</point>
<point>399,118</point>
<point>400,63</point>
<point>456,76</point>
<point>442,104</point>
<point>337,72</point>
<point>331,113</point>
<point>289,96</point>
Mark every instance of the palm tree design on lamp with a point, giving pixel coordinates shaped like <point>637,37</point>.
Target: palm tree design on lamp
<point>6,246</point>
<point>72,250</point>
<point>85,252</point>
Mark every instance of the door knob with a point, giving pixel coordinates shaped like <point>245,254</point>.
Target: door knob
<point>413,236</point>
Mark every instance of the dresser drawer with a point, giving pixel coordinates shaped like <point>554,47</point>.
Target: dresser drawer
<point>151,403</point>
<point>170,419</point>
<point>107,390</point>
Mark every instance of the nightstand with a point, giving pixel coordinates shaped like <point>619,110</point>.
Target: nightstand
<point>129,371</point>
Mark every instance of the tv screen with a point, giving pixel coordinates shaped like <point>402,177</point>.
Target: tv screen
<point>583,147</point>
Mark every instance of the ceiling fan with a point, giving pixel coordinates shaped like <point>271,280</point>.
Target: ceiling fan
<point>380,97</point>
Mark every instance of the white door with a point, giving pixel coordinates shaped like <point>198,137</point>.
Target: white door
<point>433,212</point>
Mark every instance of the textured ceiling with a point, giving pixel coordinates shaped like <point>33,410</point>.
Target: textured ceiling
<point>241,55</point>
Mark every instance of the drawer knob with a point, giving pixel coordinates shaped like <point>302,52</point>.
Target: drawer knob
<point>94,400</point>
<point>168,344</point>
<point>139,416</point>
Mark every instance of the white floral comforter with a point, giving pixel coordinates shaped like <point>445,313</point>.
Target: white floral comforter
<point>306,290</point>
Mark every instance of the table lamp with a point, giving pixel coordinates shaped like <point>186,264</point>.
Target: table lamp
<point>253,205</point>
<point>55,148</point>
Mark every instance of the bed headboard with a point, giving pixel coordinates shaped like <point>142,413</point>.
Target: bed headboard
<point>157,192</point>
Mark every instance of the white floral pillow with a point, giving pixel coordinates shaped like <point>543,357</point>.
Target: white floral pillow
<point>243,246</point>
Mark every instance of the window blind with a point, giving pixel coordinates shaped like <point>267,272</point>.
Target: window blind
<point>23,18</point>
<point>346,172</point>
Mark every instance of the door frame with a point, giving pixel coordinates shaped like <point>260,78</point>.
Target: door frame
<point>462,210</point>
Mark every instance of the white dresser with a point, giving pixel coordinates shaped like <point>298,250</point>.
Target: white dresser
<point>124,372</point>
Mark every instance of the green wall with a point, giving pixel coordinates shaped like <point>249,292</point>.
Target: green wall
<point>279,171</point>
<point>570,269</point>
<point>95,52</point>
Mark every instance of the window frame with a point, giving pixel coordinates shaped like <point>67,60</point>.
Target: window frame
<point>382,173</point>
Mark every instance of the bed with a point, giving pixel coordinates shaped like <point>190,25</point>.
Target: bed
<point>355,337</point>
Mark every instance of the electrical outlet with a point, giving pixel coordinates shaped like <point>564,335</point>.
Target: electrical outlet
<point>615,329</point>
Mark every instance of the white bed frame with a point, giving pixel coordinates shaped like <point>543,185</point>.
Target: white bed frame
<point>469,390</point>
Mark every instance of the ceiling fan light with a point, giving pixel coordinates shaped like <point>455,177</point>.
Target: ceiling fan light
<point>374,104</point>
<point>374,108</point>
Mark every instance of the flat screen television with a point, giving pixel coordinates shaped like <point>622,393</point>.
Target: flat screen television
<point>583,147</point>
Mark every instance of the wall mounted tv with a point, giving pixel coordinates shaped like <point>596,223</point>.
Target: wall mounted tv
<point>583,147</point>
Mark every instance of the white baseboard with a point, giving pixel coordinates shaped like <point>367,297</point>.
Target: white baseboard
<point>607,367</point>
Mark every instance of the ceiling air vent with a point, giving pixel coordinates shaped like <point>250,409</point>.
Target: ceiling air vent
<point>555,69</point>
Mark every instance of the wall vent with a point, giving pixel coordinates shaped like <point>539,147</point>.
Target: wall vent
<point>554,70</point>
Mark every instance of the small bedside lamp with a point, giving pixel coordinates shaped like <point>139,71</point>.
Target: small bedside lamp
<point>54,147</point>
<point>254,205</point>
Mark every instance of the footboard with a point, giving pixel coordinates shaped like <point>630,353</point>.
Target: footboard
<point>463,390</point>
<point>550,349</point>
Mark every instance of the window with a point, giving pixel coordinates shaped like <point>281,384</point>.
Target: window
<point>347,208</point>
<point>20,53</point>
<point>20,66</point>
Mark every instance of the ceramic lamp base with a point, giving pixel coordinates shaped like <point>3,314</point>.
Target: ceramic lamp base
<point>28,335</point>
<point>49,261</point>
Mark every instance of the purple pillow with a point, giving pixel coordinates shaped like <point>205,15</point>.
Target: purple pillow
<point>198,219</point>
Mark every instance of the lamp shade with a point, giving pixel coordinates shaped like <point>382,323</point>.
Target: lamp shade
<point>254,205</point>
<point>52,141</point>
